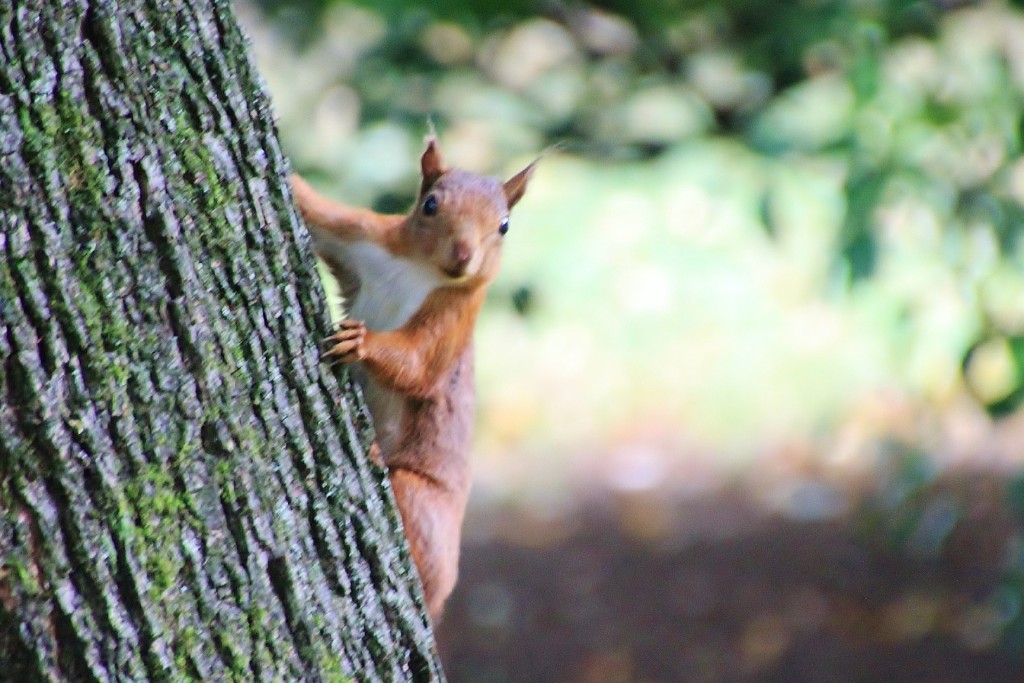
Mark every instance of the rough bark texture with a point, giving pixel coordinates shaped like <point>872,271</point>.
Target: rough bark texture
<point>183,490</point>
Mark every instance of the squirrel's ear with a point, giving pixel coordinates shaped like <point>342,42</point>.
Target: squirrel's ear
<point>515,187</point>
<point>431,165</point>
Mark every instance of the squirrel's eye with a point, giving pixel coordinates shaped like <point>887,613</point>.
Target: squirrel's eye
<point>503,226</point>
<point>430,205</point>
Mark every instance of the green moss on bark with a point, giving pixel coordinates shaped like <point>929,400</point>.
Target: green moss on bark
<point>184,497</point>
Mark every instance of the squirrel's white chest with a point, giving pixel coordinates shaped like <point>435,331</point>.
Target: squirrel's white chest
<point>391,288</point>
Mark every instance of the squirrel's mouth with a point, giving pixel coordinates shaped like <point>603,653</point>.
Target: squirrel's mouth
<point>458,269</point>
<point>456,272</point>
<point>458,261</point>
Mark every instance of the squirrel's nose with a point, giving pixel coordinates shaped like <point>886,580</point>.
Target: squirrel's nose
<point>462,253</point>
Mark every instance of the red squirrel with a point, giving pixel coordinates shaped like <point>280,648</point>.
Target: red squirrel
<point>414,285</point>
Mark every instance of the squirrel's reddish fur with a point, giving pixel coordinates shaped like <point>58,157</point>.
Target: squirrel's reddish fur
<point>414,285</point>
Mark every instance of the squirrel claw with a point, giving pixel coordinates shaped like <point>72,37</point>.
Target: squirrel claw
<point>346,344</point>
<point>348,323</point>
<point>344,352</point>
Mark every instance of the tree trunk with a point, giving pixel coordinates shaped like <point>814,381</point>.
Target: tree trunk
<point>183,484</point>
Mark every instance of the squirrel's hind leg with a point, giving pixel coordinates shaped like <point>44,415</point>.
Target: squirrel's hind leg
<point>432,518</point>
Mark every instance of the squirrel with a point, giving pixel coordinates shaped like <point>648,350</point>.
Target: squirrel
<point>414,285</point>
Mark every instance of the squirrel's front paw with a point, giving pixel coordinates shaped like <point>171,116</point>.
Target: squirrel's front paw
<point>346,344</point>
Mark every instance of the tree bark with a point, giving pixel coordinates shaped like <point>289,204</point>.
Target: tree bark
<point>183,484</point>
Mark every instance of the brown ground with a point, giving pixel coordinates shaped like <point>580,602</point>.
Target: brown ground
<point>715,589</point>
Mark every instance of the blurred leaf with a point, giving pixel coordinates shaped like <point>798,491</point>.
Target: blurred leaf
<point>864,74</point>
<point>1015,495</point>
<point>1010,227</point>
<point>860,255</point>
<point>1006,400</point>
<point>859,247</point>
<point>1007,405</point>
<point>941,113</point>
<point>466,11</point>
<point>1012,402</point>
<point>523,300</point>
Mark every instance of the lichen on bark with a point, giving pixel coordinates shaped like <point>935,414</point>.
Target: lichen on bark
<point>183,485</point>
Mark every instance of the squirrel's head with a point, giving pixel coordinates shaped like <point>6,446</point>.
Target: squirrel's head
<point>460,219</point>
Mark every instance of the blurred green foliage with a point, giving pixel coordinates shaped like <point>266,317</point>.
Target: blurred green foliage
<point>870,147</point>
<point>763,221</point>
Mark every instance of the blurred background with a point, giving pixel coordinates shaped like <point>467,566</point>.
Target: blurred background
<point>751,379</point>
